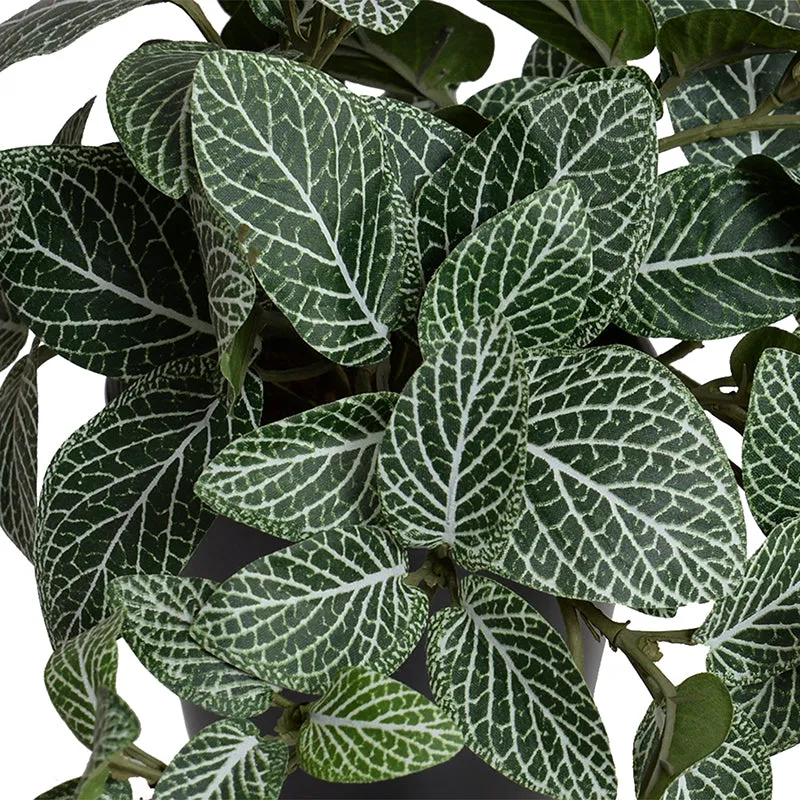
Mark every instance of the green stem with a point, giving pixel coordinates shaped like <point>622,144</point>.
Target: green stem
<point>572,624</point>
<point>729,127</point>
<point>201,20</point>
<point>126,765</point>
<point>573,17</point>
<point>684,636</point>
<point>333,41</point>
<point>679,351</point>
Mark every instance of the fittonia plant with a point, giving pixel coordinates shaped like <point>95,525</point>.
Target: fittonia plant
<point>364,325</point>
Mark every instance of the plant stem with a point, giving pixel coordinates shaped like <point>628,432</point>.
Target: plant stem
<point>679,351</point>
<point>573,17</point>
<point>334,40</point>
<point>729,127</point>
<point>729,413</point>
<point>201,20</point>
<point>684,636</point>
<point>572,624</point>
<point>133,762</point>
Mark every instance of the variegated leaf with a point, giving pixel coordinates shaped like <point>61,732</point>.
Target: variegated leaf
<point>158,612</point>
<point>752,632</point>
<point>118,496</point>
<point>546,61</point>
<point>774,706</point>
<point>451,463</point>
<point>499,669</point>
<point>314,471</point>
<point>605,143</point>
<point>383,16</point>
<point>50,25</point>
<point>771,445</point>
<point>782,12</point>
<point>724,257</point>
<point>367,727</point>
<point>73,129</point>
<point>103,267</point>
<point>628,494</point>
<point>231,288</point>
<point>322,222</point>
<point>531,264</point>
<point>417,142</point>
<point>114,790</point>
<point>227,759</point>
<point>78,669</point>
<point>298,616</point>
<point>148,100</point>
<point>13,334</point>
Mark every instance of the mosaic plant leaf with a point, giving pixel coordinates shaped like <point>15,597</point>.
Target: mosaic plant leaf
<point>367,727</point>
<point>546,61</point>
<point>114,790</point>
<point>78,669</point>
<point>628,495</point>
<point>770,461</point>
<point>50,25</point>
<point>311,472</point>
<point>80,268</point>
<point>73,129</point>
<point>158,612</point>
<point>383,16</point>
<point>452,460</point>
<point>122,480</point>
<point>326,215</point>
<point>504,674</point>
<point>752,632</point>
<point>606,144</point>
<point>226,759</point>
<point>531,264</point>
<point>782,12</point>
<point>723,259</point>
<point>13,334</point>
<point>148,100</point>
<point>417,143</point>
<point>296,617</point>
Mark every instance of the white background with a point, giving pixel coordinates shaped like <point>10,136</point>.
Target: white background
<point>37,750</point>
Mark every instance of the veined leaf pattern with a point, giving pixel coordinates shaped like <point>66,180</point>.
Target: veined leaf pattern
<point>148,99</point>
<point>90,238</point>
<point>158,612</point>
<point>313,471</point>
<point>499,669</point>
<point>13,334</point>
<point>601,135</point>
<point>323,211</point>
<point>296,617</point>
<point>118,496</point>
<point>451,463</point>
<point>383,16</point>
<point>770,449</point>
<point>417,143</point>
<point>724,257</point>
<point>114,790</point>
<point>782,12</point>
<point>74,128</point>
<point>546,61</point>
<point>50,25</point>
<point>628,495</point>
<point>226,759</point>
<point>78,669</point>
<point>531,264</point>
<point>367,727</point>
<point>752,632</point>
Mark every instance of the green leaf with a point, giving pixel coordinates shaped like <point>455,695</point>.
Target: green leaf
<point>452,460</point>
<point>752,632</point>
<point>601,28</point>
<point>628,494</point>
<point>384,16</point>
<point>231,288</point>
<point>782,12</point>
<point>726,92</point>
<point>770,457</point>
<point>311,472</point>
<point>226,759</point>
<point>50,25</point>
<point>116,728</point>
<point>19,434</point>
<point>123,480</point>
<point>771,170</point>
<point>158,612</point>
<point>774,706</point>
<point>114,790</point>
<point>748,351</point>
<point>367,727</point>
<point>103,267</point>
<point>298,616</point>
<point>13,334</point>
<point>148,101</point>
<point>723,259</point>
<point>466,119</point>
<point>702,751</point>
<point>531,264</point>
<point>322,223</point>
<point>72,131</point>
<point>606,144</point>
<point>244,30</point>
<point>499,669</point>
<point>417,142</point>
<point>546,61</point>
<point>78,670</point>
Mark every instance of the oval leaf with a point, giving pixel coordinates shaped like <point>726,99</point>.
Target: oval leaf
<point>384,16</point>
<point>546,61</point>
